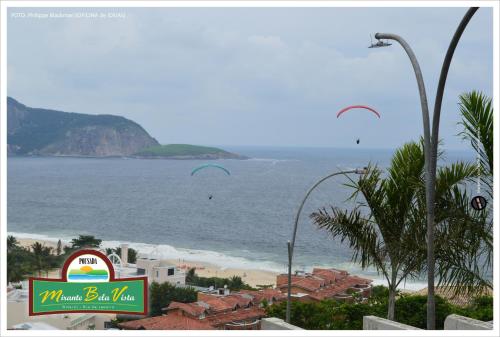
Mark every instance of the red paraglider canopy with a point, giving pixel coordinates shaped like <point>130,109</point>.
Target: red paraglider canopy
<point>358,107</point>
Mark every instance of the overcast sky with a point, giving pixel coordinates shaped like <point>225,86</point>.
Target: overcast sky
<point>251,76</point>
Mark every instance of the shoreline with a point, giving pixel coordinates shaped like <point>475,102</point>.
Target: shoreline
<point>265,274</point>
<point>253,277</point>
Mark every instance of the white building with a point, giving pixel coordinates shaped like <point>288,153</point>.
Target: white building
<point>156,269</point>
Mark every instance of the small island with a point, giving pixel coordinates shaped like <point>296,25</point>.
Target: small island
<point>185,151</point>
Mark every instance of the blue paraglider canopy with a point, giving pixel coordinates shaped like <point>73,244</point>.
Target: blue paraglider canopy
<point>204,166</point>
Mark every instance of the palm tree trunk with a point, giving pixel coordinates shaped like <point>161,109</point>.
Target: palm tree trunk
<point>392,294</point>
<point>392,303</point>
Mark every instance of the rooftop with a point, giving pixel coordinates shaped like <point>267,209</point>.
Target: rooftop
<point>323,283</point>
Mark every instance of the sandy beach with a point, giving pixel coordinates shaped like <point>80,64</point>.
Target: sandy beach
<point>253,277</point>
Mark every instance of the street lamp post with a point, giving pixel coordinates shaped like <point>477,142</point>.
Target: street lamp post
<point>430,178</point>
<point>431,140</point>
<point>291,244</point>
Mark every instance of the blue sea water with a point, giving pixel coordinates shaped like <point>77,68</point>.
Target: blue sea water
<point>158,205</point>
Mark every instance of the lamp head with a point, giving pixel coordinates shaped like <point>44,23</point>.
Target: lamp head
<point>380,43</point>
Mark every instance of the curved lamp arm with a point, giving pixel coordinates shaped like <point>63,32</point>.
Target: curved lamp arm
<point>442,82</point>
<point>420,82</point>
<point>297,216</point>
<point>291,244</point>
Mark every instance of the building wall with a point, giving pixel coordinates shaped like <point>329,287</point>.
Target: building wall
<point>274,323</point>
<point>157,271</point>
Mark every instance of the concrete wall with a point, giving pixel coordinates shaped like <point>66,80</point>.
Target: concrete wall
<point>456,322</point>
<point>273,323</point>
<point>452,322</point>
<point>378,323</point>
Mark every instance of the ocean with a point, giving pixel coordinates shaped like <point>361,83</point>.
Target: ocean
<point>157,206</point>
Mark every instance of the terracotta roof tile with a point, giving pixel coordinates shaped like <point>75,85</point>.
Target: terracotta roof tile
<point>323,283</point>
<point>268,294</point>
<point>217,304</point>
<point>193,309</point>
<point>238,300</point>
<point>246,314</point>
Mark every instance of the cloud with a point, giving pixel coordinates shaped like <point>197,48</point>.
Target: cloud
<point>262,76</point>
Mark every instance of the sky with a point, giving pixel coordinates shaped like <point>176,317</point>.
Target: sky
<point>250,76</point>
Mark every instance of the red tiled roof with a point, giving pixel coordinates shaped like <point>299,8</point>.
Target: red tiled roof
<point>192,309</point>
<point>168,322</point>
<point>323,283</point>
<point>246,314</point>
<point>329,275</point>
<point>268,294</point>
<point>307,283</point>
<point>217,304</point>
<point>339,287</point>
<point>180,322</point>
<point>236,299</point>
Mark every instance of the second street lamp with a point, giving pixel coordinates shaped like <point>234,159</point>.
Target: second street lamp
<point>291,244</point>
<point>431,141</point>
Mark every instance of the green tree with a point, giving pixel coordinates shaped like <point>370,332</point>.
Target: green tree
<point>11,242</point>
<point>468,270</point>
<point>234,283</point>
<point>191,276</point>
<point>39,263</point>
<point>85,241</point>
<point>410,309</point>
<point>162,294</point>
<point>131,255</point>
<point>386,229</point>
<point>18,261</point>
<point>59,247</point>
<point>477,122</point>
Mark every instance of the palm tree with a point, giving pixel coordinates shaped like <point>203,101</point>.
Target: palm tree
<point>43,259</point>
<point>387,229</point>
<point>17,260</point>
<point>191,275</point>
<point>468,270</point>
<point>48,260</point>
<point>38,260</point>
<point>477,120</point>
<point>11,242</point>
<point>59,247</point>
<point>85,241</point>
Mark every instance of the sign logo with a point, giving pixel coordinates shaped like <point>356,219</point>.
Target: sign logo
<point>88,284</point>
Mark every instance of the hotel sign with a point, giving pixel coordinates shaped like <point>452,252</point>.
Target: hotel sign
<point>88,284</point>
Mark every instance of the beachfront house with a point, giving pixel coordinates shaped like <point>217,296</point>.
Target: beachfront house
<point>155,268</point>
<point>221,310</point>
<point>325,283</point>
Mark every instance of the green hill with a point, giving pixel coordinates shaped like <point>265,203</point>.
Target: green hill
<point>35,131</point>
<point>186,151</point>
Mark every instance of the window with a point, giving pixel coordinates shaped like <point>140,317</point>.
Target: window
<point>170,271</point>
<point>157,273</point>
